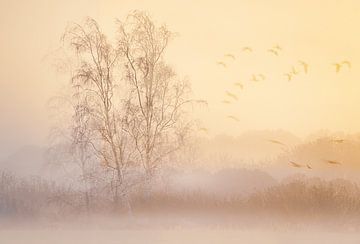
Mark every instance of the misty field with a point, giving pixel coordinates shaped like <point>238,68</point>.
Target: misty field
<point>295,204</point>
<point>200,236</point>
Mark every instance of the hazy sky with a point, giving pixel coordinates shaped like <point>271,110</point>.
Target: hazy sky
<point>318,32</point>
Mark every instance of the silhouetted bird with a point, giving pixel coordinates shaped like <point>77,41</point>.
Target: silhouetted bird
<point>222,64</point>
<point>232,95</point>
<point>347,63</point>
<point>294,71</point>
<point>277,47</point>
<point>305,66</point>
<point>203,129</point>
<point>296,165</point>
<point>247,49</point>
<point>233,118</point>
<point>289,76</point>
<point>333,162</point>
<point>276,142</point>
<point>254,78</point>
<point>228,55</point>
<point>273,51</point>
<point>338,66</point>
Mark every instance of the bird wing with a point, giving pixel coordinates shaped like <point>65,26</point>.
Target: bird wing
<point>338,67</point>
<point>289,76</point>
<point>247,49</point>
<point>239,85</point>
<point>276,142</point>
<point>273,51</point>
<point>295,164</point>
<point>222,63</point>
<point>233,118</point>
<point>294,71</point>
<point>228,55</point>
<point>333,162</point>
<point>305,65</point>
<point>254,78</point>
<point>232,95</point>
<point>277,47</point>
<point>347,63</point>
<point>306,68</point>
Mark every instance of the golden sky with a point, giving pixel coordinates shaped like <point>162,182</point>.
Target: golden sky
<point>318,32</point>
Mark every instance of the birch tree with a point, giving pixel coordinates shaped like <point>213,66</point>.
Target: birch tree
<point>156,123</point>
<point>96,79</point>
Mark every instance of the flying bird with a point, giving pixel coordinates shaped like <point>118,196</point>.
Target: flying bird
<point>277,47</point>
<point>203,129</point>
<point>275,52</point>
<point>346,63</point>
<point>305,66</point>
<point>233,118</point>
<point>247,49</point>
<point>296,165</point>
<point>240,85</point>
<point>289,76</point>
<point>332,162</point>
<point>254,78</point>
<point>228,55</point>
<point>294,71</point>
<point>338,66</point>
<point>232,95</point>
<point>222,64</point>
<point>277,142</point>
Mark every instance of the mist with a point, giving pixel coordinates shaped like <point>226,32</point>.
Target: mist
<point>173,122</point>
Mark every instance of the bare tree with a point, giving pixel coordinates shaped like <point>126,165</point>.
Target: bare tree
<point>81,150</point>
<point>156,123</point>
<point>71,146</point>
<point>129,110</point>
<point>95,79</point>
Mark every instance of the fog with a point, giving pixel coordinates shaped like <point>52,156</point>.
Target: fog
<point>179,122</point>
<point>202,196</point>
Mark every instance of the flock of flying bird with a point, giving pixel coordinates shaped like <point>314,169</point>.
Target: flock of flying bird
<point>301,67</point>
<point>308,166</point>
